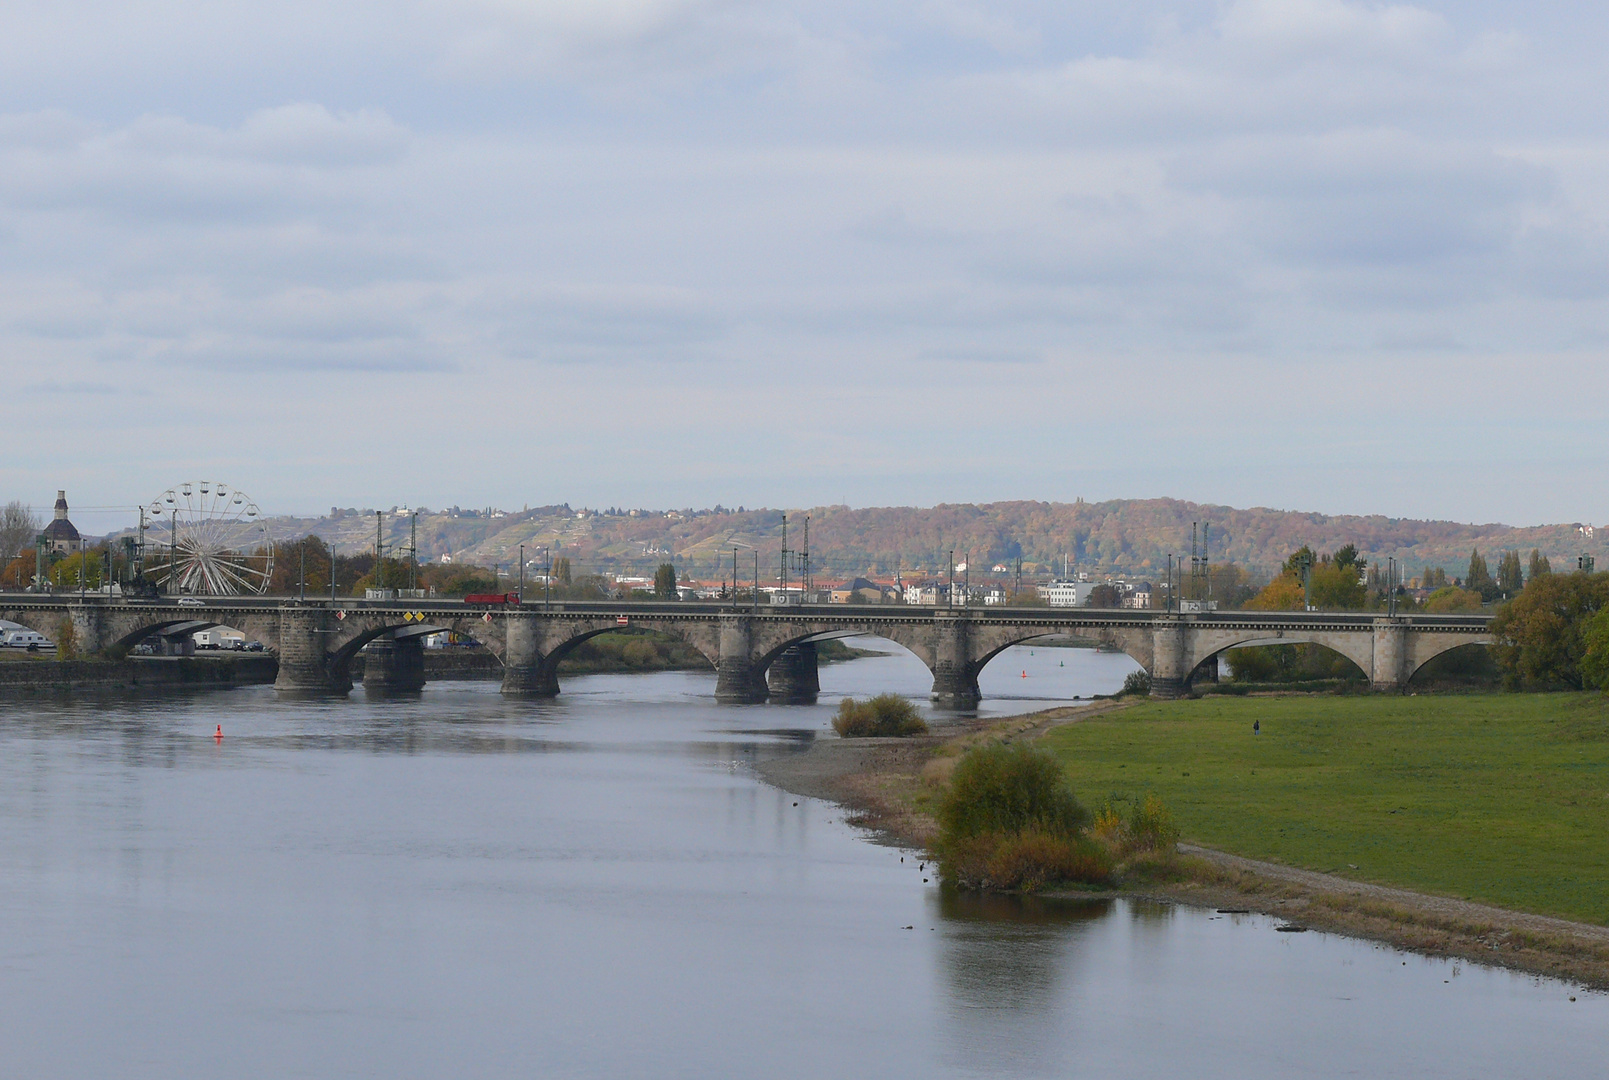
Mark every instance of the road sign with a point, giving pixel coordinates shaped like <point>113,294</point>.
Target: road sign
<point>340,614</point>
<point>486,617</point>
<point>622,620</point>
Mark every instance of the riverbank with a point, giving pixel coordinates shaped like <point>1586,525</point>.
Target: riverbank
<point>889,785</point>
<point>57,675</point>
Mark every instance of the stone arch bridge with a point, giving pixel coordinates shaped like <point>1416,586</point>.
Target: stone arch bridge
<point>757,652</point>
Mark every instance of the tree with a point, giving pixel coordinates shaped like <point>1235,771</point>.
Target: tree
<point>1540,636</point>
<point>1104,596</point>
<point>1479,578</point>
<point>1595,658</point>
<point>561,570</point>
<point>1433,577</point>
<point>1510,578</point>
<point>1539,566</point>
<point>1284,593</point>
<point>18,528</point>
<point>1336,586</point>
<point>1449,599</point>
<point>1230,585</point>
<point>665,582</point>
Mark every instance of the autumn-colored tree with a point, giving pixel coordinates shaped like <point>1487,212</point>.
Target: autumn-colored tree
<point>1539,566</point>
<point>1284,593</point>
<point>1541,635</point>
<point>1450,599</point>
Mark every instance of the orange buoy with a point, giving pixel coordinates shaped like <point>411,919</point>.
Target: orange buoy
<point>1025,674</point>
<point>217,736</point>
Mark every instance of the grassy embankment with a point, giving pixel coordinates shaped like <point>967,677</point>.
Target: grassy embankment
<point>1498,798</point>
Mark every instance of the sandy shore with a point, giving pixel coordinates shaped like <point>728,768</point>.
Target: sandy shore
<point>882,783</point>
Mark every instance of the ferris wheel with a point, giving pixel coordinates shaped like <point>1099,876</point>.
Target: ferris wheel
<point>217,543</point>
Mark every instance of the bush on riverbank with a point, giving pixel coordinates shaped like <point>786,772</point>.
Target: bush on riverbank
<point>1009,821</point>
<point>1146,826</point>
<point>884,716</point>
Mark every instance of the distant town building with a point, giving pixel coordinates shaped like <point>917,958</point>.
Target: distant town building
<point>1139,596</point>
<point>859,589</point>
<point>61,537</point>
<point>1066,592</point>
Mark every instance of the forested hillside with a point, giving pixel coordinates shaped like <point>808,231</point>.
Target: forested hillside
<point>1133,535</point>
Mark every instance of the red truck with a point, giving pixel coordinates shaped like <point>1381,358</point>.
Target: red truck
<point>492,598</point>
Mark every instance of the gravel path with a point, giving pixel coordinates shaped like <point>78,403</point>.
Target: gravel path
<point>1448,907</point>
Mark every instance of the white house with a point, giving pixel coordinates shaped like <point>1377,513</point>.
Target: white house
<point>1065,592</point>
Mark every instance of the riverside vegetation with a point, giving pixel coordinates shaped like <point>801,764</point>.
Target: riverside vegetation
<point>884,716</point>
<point>1462,799</point>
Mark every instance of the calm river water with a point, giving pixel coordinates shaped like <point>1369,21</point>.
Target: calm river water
<point>455,885</point>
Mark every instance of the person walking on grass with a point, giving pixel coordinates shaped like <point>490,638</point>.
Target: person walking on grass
<point>1256,727</point>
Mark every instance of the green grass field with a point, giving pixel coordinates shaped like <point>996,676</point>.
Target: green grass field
<point>1500,798</point>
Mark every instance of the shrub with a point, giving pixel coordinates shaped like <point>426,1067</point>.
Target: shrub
<point>66,640</point>
<point>1009,789</point>
<point>1009,821</point>
<point>1137,682</point>
<point>1026,861</point>
<point>886,715</point>
<point>1151,826</point>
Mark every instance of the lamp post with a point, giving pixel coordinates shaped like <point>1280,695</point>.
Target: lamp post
<point>520,590</point>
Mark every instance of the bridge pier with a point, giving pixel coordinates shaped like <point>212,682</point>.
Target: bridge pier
<point>737,678</point>
<point>793,676</point>
<point>178,645</point>
<point>526,672</point>
<point>1389,668</point>
<point>1169,670</point>
<point>303,664</point>
<point>394,664</point>
<point>955,674</point>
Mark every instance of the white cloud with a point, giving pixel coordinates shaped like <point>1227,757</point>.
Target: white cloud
<point>659,212</point>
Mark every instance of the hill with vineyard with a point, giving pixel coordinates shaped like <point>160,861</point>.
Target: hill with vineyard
<point>1129,535</point>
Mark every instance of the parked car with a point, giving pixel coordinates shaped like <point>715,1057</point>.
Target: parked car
<point>254,646</point>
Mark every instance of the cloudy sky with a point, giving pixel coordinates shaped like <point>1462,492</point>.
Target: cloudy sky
<point>1302,253</point>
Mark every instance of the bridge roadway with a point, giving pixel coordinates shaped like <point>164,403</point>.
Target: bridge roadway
<point>757,652</point>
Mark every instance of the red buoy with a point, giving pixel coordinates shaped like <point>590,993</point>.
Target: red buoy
<point>217,736</point>
<point>1025,674</point>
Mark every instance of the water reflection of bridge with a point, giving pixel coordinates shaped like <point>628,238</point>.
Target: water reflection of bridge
<point>756,652</point>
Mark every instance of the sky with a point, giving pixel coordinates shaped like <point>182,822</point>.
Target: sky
<point>1308,254</point>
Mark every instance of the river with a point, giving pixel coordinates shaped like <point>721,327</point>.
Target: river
<point>455,885</point>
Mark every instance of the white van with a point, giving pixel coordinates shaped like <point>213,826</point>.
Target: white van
<point>26,639</point>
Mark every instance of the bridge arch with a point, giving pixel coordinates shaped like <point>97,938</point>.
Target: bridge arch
<point>363,630</point>
<point>255,627</point>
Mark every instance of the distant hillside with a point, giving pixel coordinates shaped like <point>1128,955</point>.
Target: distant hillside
<point>1133,535</point>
